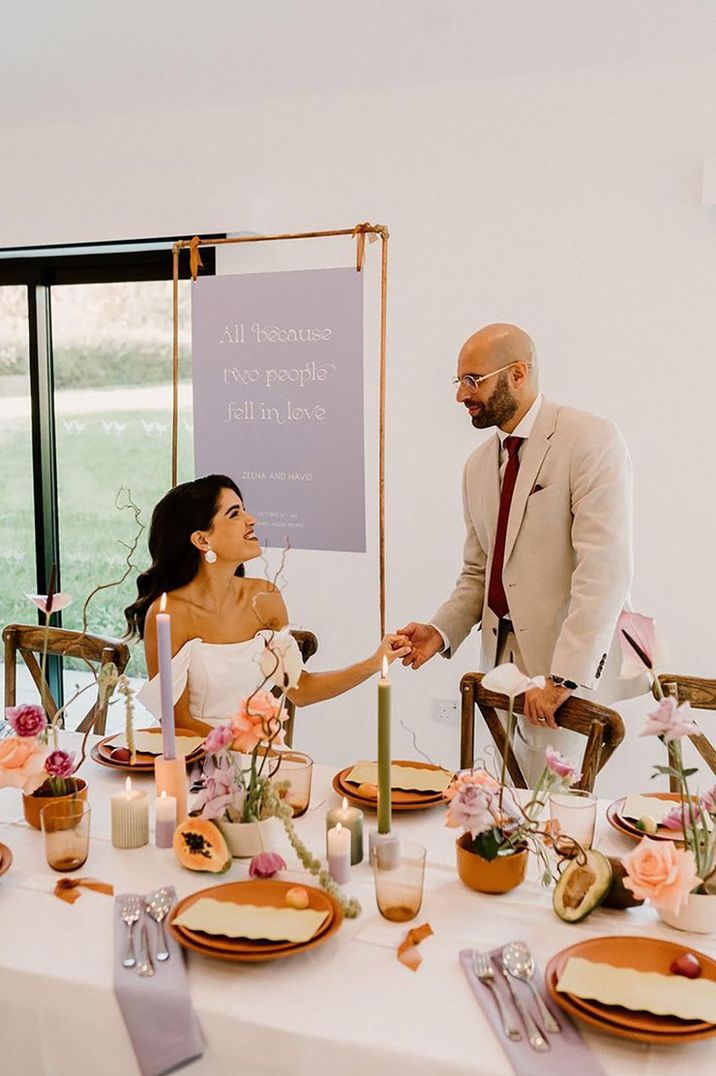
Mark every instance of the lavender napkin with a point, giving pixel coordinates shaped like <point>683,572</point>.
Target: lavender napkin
<point>568,1053</point>
<point>157,1011</point>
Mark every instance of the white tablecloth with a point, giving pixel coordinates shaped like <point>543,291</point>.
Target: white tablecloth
<point>348,1006</point>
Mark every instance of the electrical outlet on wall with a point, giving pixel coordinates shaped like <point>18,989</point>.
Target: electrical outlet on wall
<point>446,711</point>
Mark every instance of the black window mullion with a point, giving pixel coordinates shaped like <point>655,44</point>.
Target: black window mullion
<point>44,458</point>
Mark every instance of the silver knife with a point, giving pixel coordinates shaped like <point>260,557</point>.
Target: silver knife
<point>535,1036</point>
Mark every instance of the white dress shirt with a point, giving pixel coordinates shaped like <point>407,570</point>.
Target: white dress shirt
<point>523,429</point>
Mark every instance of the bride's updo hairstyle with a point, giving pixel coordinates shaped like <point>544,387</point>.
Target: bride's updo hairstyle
<point>175,560</point>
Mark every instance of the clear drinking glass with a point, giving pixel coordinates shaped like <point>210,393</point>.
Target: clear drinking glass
<point>66,825</point>
<point>398,880</point>
<point>575,813</point>
<point>297,769</point>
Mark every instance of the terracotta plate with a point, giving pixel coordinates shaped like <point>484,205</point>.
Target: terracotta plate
<point>629,829</point>
<point>401,799</point>
<point>644,954</point>
<point>102,752</point>
<point>260,891</point>
<point>5,858</point>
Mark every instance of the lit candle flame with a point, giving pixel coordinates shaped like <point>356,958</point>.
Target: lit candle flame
<point>164,794</point>
<point>128,786</point>
<point>345,803</point>
<point>338,825</point>
<point>384,672</point>
<point>163,603</point>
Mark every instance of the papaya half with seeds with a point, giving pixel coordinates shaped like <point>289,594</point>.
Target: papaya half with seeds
<point>582,886</point>
<point>199,845</point>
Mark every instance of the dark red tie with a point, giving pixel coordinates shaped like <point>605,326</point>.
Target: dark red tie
<point>496,597</point>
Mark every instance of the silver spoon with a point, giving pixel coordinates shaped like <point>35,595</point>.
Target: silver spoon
<point>519,962</point>
<point>158,904</point>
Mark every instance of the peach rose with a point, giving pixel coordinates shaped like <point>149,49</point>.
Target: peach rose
<point>20,759</point>
<point>659,872</point>
<point>256,722</point>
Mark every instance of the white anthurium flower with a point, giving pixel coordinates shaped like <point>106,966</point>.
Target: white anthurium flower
<point>509,680</point>
<point>281,647</point>
<point>59,601</point>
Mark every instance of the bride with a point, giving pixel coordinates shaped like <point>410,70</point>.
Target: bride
<point>221,622</point>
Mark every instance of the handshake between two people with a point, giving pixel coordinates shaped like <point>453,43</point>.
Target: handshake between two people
<point>423,641</point>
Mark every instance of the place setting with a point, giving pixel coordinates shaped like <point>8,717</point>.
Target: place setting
<point>414,785</point>
<point>640,814</point>
<point>115,751</point>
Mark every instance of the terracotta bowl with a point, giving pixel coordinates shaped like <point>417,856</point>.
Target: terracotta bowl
<point>33,804</point>
<point>497,875</point>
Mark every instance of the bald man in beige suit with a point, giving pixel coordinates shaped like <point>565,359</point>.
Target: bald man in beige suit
<point>547,562</point>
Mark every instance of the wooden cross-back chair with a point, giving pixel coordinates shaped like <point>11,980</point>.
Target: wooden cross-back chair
<point>602,727</point>
<point>28,641</point>
<point>701,694</point>
<point>308,645</point>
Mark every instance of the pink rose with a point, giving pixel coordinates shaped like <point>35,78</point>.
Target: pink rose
<point>26,720</point>
<point>219,739</point>
<point>60,763</point>
<point>479,778</point>
<point>266,864</point>
<point>257,722</point>
<point>20,759</point>
<point>561,766</point>
<point>670,721</point>
<point>471,799</point>
<point>659,872</point>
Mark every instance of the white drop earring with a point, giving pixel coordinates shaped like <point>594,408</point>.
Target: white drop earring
<point>210,556</point>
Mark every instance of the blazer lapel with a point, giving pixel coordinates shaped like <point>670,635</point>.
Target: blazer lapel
<point>533,455</point>
<point>492,488</point>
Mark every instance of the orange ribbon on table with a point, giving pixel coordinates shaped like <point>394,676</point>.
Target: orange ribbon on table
<point>195,262</point>
<point>68,888</point>
<point>360,231</point>
<point>408,949</point>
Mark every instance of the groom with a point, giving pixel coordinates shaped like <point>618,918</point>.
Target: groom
<point>547,560</point>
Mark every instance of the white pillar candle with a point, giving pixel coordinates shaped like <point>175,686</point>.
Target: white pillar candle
<point>338,841</point>
<point>130,817</point>
<point>351,818</point>
<point>165,820</point>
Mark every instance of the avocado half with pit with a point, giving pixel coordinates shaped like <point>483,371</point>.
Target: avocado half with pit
<point>582,886</point>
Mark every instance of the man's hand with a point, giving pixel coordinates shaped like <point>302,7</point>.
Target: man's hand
<point>426,641</point>
<point>541,703</point>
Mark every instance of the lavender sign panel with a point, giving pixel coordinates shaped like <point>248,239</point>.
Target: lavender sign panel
<point>278,400</point>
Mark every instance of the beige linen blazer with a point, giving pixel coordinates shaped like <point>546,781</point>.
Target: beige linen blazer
<point>568,551</point>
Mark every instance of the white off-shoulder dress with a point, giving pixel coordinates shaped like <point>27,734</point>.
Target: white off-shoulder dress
<point>221,675</point>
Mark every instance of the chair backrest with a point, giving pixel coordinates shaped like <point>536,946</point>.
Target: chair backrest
<point>308,645</point>
<point>28,640</point>
<point>701,694</point>
<point>603,728</point>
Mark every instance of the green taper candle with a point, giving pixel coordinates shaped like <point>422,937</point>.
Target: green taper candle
<point>384,750</point>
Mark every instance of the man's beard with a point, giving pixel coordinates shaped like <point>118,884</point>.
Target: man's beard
<point>498,408</point>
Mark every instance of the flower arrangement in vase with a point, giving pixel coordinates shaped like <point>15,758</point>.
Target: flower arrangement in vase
<point>241,797</point>
<point>498,830</point>
<point>680,882</point>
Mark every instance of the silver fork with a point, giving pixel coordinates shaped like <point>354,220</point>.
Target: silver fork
<point>484,971</point>
<point>130,913</point>
<point>146,966</point>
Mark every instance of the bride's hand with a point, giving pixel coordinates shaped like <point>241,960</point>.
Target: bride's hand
<point>392,647</point>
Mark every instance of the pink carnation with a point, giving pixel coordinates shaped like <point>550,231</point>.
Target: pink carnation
<point>219,739</point>
<point>670,721</point>
<point>677,818</point>
<point>60,763</point>
<point>471,798</point>
<point>708,800</point>
<point>561,766</point>
<point>26,719</point>
<point>266,864</point>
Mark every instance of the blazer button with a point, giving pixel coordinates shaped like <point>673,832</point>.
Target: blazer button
<point>494,631</point>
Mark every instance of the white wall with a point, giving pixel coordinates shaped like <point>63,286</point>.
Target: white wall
<point>554,181</point>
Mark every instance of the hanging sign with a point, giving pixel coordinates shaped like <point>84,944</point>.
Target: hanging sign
<point>277,364</point>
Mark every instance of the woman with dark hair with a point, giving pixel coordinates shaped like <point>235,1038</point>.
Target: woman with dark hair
<point>221,622</point>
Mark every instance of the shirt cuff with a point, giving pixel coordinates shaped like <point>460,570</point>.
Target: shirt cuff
<point>443,636</point>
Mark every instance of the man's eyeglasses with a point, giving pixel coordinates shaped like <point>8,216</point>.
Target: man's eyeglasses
<point>473,381</point>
